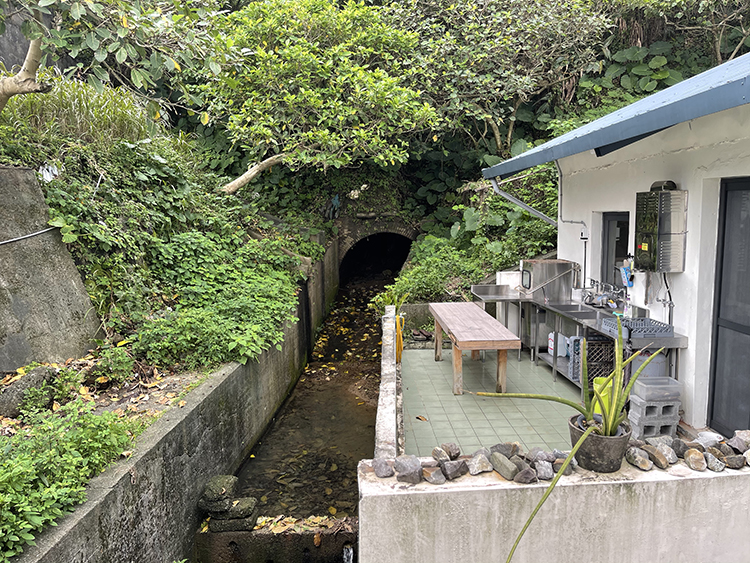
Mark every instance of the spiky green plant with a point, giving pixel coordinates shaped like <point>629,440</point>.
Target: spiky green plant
<point>612,415</point>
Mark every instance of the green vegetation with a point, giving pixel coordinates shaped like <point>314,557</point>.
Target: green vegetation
<point>166,262</point>
<point>357,108</point>
<point>45,466</point>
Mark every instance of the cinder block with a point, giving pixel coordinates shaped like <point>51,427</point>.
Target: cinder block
<point>653,409</point>
<point>649,430</point>
<point>637,420</point>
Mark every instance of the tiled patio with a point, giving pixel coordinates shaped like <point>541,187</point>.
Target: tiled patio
<point>472,421</point>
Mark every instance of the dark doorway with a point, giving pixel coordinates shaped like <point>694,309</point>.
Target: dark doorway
<point>730,378</point>
<point>616,228</point>
<point>373,255</point>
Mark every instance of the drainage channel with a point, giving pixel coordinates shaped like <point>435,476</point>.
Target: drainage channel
<point>304,470</point>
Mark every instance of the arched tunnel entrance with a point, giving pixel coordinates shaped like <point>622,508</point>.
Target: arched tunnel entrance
<point>373,255</point>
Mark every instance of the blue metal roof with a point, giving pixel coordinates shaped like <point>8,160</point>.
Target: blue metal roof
<point>723,87</point>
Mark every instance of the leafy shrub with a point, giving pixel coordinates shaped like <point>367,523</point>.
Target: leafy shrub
<point>62,388</point>
<point>232,300</point>
<point>44,468</point>
<point>115,364</point>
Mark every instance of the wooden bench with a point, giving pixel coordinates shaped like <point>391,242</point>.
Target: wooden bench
<point>471,328</point>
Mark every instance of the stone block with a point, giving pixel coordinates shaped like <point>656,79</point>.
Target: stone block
<point>647,410</point>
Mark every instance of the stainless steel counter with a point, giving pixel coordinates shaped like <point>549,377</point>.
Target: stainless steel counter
<point>588,317</point>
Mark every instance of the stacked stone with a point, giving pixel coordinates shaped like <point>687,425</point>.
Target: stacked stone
<point>649,419</point>
<point>226,511</point>
<point>447,463</point>
<point>709,451</point>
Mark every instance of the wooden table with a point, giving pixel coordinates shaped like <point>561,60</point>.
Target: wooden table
<point>471,328</point>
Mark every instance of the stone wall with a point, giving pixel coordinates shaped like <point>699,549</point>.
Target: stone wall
<point>144,509</point>
<point>351,230</point>
<point>45,312</point>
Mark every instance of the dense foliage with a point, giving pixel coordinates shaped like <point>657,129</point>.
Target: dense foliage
<point>166,262</point>
<point>318,82</point>
<point>145,46</point>
<point>45,466</point>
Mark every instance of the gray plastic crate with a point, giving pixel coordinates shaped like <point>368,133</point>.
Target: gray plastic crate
<point>600,356</point>
<point>657,389</point>
<point>638,328</point>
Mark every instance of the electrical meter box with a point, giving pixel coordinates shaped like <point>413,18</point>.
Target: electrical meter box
<point>660,230</point>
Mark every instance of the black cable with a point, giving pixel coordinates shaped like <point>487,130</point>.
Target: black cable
<point>666,283</point>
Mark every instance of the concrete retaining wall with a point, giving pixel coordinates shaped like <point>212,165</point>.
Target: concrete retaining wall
<point>628,516</point>
<point>143,510</point>
<point>387,423</point>
<point>45,312</point>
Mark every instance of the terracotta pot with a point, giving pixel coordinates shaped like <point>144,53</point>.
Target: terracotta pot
<point>603,454</point>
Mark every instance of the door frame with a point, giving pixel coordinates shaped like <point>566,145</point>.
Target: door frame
<point>727,185</point>
<point>609,219</point>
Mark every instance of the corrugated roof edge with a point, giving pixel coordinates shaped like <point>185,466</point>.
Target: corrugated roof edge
<point>723,87</point>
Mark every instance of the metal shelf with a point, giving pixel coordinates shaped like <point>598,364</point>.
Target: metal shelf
<point>562,366</point>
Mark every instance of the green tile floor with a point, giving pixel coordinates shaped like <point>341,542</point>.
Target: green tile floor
<point>472,421</point>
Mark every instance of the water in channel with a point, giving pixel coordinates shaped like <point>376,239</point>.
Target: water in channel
<point>306,463</point>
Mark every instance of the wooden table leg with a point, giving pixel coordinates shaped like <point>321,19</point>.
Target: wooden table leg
<point>502,364</point>
<point>475,355</point>
<point>438,342</point>
<point>458,374</point>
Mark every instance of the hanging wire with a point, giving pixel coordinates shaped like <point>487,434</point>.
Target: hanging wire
<point>27,236</point>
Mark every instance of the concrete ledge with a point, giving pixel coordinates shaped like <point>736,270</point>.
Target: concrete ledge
<point>386,423</point>
<point>144,509</point>
<point>627,516</point>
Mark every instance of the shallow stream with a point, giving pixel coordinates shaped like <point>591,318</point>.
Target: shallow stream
<point>306,463</point>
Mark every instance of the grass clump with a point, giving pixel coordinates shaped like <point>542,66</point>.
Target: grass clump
<point>74,109</point>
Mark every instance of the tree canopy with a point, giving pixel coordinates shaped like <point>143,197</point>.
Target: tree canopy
<point>144,45</point>
<point>323,85</point>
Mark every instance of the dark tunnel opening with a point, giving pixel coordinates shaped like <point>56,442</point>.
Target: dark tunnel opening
<point>374,255</point>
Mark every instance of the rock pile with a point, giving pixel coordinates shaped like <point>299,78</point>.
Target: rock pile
<point>226,512</point>
<point>709,451</point>
<point>506,458</point>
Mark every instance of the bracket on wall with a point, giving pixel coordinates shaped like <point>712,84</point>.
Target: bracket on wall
<point>521,204</point>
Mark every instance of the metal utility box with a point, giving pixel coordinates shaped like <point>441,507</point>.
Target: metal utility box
<point>660,230</point>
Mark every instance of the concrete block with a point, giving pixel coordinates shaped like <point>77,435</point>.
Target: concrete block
<point>653,409</point>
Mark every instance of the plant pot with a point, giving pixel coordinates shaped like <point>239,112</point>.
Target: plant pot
<point>603,454</point>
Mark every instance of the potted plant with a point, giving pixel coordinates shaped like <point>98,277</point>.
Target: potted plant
<point>599,441</point>
<point>609,431</point>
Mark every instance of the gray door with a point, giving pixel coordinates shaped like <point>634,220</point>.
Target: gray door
<point>730,393</point>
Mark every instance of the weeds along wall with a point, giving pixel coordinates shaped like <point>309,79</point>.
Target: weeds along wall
<point>145,508</point>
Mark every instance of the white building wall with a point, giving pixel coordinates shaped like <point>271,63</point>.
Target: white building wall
<point>696,155</point>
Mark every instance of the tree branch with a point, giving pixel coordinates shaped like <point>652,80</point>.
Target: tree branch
<point>25,81</point>
<point>254,171</point>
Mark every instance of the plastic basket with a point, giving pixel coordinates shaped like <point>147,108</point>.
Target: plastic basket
<point>600,356</point>
<point>638,328</point>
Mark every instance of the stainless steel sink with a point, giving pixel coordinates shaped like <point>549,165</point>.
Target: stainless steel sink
<point>575,310</point>
<point>570,307</point>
